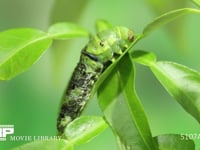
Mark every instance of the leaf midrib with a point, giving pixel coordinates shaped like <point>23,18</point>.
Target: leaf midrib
<point>45,36</point>
<point>134,120</point>
<point>154,66</point>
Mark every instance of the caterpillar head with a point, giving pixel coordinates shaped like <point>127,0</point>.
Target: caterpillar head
<point>109,44</point>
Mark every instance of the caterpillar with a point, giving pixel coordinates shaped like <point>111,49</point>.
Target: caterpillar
<point>101,51</point>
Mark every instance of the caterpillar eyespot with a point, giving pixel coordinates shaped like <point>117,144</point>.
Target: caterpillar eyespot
<point>101,43</point>
<point>99,53</point>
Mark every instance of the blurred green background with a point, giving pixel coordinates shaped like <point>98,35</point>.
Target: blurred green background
<point>31,100</point>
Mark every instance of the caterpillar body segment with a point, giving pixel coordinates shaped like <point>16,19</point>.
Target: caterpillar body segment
<point>103,49</point>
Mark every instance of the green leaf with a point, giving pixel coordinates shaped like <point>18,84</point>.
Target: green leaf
<point>106,73</point>
<point>66,30</point>
<point>122,108</point>
<point>84,128</point>
<point>197,2</point>
<point>46,145</point>
<point>168,17</point>
<point>19,49</point>
<point>182,83</point>
<point>142,57</point>
<point>159,7</point>
<point>102,25</point>
<point>174,142</point>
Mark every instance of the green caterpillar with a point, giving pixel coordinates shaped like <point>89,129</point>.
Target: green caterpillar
<point>98,54</point>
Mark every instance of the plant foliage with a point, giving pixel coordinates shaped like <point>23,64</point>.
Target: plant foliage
<point>123,111</point>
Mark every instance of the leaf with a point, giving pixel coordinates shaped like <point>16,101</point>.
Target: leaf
<point>162,6</point>
<point>122,108</point>
<point>46,145</point>
<point>66,30</point>
<point>182,83</point>
<point>19,49</point>
<point>106,73</point>
<point>102,25</point>
<point>84,128</point>
<point>174,142</point>
<point>174,30</point>
<point>197,2</point>
<point>167,17</point>
<point>142,57</point>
